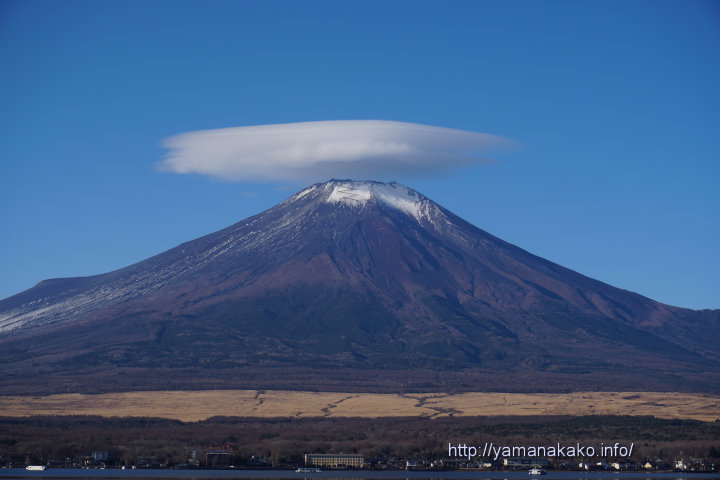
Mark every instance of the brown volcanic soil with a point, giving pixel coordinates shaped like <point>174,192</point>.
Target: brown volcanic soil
<point>190,406</point>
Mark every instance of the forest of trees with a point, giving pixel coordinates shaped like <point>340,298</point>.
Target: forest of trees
<point>282,442</point>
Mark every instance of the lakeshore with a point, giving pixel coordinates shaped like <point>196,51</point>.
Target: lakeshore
<point>74,473</point>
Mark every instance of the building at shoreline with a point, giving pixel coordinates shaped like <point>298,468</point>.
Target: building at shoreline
<point>334,460</point>
<point>525,462</point>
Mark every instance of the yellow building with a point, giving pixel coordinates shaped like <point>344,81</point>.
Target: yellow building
<point>334,460</point>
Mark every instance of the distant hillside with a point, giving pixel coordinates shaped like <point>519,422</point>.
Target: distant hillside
<point>351,286</point>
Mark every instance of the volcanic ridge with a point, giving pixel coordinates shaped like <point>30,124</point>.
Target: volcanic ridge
<point>350,286</point>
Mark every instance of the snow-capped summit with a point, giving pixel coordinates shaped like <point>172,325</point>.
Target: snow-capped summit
<point>358,194</point>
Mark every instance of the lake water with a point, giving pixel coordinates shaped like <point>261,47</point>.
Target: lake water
<point>73,473</point>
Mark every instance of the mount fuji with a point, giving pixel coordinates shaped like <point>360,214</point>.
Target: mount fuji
<point>353,286</point>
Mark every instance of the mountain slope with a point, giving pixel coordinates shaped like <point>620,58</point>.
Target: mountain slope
<point>366,278</point>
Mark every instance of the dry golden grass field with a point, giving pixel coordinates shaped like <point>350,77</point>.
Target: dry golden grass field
<point>199,405</point>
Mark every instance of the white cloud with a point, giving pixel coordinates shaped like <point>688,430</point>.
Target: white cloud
<point>316,151</point>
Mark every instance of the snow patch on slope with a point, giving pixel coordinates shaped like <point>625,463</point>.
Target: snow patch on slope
<point>357,194</point>
<point>400,197</point>
<point>350,193</point>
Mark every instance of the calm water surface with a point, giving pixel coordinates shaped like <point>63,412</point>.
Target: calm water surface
<point>72,473</point>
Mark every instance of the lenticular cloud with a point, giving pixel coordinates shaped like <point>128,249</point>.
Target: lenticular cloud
<point>320,150</point>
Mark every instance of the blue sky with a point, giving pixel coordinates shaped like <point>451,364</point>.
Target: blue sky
<point>614,105</point>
